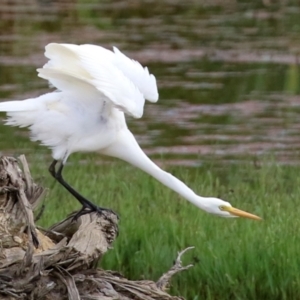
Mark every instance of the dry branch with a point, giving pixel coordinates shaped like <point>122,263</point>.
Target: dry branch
<point>59,262</point>
<point>164,280</point>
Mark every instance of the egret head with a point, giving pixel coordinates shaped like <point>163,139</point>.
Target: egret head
<point>224,209</point>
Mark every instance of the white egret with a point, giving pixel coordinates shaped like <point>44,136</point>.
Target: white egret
<point>95,87</point>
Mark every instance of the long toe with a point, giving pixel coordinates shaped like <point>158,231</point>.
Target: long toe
<point>109,211</point>
<point>93,208</point>
<point>83,211</point>
<point>103,211</point>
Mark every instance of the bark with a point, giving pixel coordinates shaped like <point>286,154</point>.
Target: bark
<point>60,262</point>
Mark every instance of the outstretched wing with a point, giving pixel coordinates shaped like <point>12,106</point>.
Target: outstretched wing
<point>132,69</point>
<point>140,76</point>
<point>124,82</point>
<point>125,97</point>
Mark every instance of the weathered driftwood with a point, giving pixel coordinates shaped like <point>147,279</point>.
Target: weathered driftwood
<point>59,263</point>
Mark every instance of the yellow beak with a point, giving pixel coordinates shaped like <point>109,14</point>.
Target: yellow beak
<point>241,213</point>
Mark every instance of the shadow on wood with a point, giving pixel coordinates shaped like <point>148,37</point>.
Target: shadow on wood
<point>59,262</point>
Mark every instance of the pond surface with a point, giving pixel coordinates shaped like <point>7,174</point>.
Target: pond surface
<point>227,71</point>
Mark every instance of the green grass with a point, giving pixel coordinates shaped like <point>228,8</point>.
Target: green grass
<point>234,258</point>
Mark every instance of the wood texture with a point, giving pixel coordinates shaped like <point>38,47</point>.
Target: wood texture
<point>59,262</point>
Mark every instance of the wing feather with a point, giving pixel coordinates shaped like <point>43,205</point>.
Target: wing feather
<point>140,76</point>
<point>64,58</point>
<point>126,97</point>
<point>124,81</point>
<point>115,85</point>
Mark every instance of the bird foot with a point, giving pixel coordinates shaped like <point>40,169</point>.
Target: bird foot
<point>89,209</point>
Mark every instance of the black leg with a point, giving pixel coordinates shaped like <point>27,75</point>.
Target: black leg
<point>52,168</point>
<point>87,206</point>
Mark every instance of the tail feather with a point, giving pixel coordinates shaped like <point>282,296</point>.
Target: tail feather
<point>24,113</point>
<point>18,106</point>
<point>21,119</point>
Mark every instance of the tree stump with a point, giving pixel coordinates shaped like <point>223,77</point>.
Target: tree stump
<point>60,262</point>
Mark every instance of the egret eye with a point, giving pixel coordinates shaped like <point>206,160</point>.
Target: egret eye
<point>222,207</point>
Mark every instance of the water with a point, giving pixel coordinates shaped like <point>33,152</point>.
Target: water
<point>228,72</point>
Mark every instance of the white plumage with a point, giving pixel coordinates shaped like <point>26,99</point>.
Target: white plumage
<point>95,87</point>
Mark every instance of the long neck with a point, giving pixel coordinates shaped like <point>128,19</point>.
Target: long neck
<point>126,148</point>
